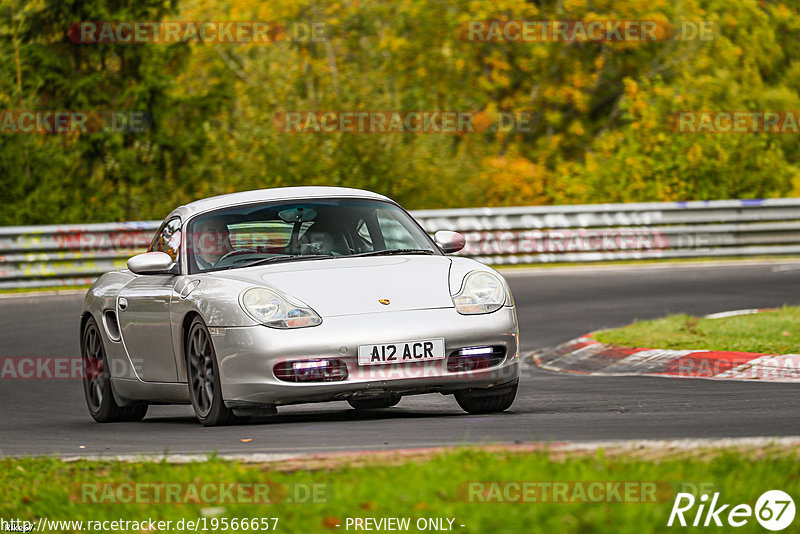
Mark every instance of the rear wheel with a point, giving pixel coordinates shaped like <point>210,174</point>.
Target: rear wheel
<point>97,381</point>
<point>479,401</point>
<point>375,403</point>
<point>203,374</point>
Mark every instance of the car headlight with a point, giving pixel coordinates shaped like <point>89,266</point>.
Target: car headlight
<point>277,311</point>
<point>482,292</point>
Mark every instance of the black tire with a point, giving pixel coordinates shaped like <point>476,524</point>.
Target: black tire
<point>202,373</point>
<point>480,401</point>
<point>376,403</point>
<point>97,381</point>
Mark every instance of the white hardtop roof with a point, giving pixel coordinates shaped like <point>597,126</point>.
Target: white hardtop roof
<point>268,195</point>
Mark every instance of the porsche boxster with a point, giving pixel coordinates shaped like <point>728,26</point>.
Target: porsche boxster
<point>250,301</point>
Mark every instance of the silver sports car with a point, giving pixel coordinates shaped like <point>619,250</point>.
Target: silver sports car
<point>249,301</point>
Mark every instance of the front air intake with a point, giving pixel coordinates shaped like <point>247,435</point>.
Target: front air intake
<point>475,358</point>
<point>111,324</point>
<point>323,370</point>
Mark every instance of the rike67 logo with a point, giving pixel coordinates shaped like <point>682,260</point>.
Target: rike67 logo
<point>774,510</point>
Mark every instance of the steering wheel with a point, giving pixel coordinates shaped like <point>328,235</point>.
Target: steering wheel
<point>238,252</point>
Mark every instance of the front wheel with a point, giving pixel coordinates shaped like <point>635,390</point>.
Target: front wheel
<point>97,381</point>
<point>480,401</point>
<point>202,372</point>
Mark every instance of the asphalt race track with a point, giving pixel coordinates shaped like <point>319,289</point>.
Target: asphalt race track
<point>49,416</point>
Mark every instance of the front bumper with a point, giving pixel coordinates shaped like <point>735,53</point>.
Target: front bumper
<point>247,356</point>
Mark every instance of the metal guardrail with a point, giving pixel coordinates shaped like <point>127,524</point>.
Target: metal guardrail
<point>65,255</point>
<point>59,255</point>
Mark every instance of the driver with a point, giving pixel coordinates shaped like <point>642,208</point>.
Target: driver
<point>211,241</point>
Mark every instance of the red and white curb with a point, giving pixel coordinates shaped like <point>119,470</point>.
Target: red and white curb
<point>586,355</point>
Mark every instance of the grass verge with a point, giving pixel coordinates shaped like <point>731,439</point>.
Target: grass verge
<point>436,487</point>
<point>776,332</point>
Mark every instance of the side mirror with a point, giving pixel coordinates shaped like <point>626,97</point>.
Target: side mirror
<point>449,241</point>
<point>151,263</point>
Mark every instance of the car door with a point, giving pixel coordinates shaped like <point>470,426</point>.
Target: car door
<point>143,308</point>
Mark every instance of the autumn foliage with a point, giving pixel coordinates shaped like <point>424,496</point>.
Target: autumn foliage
<point>596,127</point>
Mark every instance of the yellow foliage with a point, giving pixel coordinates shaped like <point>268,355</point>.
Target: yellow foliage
<point>513,180</point>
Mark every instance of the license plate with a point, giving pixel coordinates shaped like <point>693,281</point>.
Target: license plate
<point>402,352</point>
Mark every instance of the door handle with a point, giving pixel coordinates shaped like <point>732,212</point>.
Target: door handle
<point>123,303</point>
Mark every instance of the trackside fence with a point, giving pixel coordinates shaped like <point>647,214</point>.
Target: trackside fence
<point>62,255</point>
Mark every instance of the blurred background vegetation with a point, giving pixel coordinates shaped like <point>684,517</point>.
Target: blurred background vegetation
<point>599,131</point>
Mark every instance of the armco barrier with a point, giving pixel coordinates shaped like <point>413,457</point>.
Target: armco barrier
<point>61,255</point>
<point>76,254</point>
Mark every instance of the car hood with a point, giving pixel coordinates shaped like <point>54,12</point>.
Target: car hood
<point>345,286</point>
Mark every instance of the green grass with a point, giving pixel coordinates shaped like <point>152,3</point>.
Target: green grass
<point>770,332</point>
<point>49,488</point>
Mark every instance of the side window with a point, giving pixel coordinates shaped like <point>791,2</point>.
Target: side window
<point>168,239</point>
<point>394,233</point>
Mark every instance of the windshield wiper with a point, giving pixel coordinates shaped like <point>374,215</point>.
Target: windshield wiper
<point>393,251</point>
<point>284,258</point>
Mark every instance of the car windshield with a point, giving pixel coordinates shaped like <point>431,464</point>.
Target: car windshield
<point>269,232</point>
